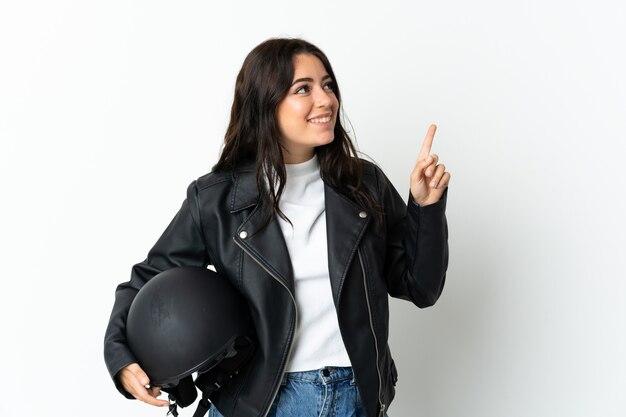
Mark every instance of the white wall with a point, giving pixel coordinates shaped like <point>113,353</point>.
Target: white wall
<point>108,109</point>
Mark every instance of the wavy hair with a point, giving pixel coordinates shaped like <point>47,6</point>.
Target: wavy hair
<point>253,133</point>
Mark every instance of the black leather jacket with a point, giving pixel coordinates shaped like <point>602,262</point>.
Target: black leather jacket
<point>219,224</point>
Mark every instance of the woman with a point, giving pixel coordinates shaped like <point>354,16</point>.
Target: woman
<point>314,238</point>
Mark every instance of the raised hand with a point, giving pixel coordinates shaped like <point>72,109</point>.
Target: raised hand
<point>428,178</point>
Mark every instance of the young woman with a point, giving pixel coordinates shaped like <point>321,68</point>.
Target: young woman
<point>314,237</point>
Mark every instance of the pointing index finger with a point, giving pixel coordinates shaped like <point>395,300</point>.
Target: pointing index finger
<point>428,142</point>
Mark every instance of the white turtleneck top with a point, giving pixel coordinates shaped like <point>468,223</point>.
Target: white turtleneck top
<point>318,341</point>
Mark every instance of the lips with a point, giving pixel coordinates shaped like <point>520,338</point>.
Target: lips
<point>321,118</point>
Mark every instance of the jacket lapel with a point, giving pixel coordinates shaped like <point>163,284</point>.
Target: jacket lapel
<point>265,244</point>
<point>345,224</point>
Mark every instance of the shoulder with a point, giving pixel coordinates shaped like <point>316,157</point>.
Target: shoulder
<point>370,168</point>
<point>224,178</point>
<point>213,179</point>
<point>225,189</point>
<point>373,175</point>
<point>208,188</point>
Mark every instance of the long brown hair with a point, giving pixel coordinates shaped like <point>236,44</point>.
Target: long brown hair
<point>253,133</point>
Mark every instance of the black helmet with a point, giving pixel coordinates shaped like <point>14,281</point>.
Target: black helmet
<point>186,320</point>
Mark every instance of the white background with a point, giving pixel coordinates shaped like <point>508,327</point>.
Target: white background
<point>108,109</point>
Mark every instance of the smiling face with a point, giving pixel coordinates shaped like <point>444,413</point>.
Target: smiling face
<point>306,116</point>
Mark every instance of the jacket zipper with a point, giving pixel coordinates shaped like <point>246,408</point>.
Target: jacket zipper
<point>369,310</point>
<point>293,330</point>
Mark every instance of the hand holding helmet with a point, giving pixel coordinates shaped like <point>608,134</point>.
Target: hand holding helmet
<point>186,320</point>
<point>135,381</point>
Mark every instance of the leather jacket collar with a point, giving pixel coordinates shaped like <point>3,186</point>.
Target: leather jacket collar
<point>346,223</point>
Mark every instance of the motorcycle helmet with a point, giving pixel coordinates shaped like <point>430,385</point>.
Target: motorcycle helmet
<point>185,320</point>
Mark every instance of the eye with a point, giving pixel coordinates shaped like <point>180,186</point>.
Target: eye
<point>302,89</point>
<point>330,86</point>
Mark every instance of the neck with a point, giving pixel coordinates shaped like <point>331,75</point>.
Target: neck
<point>297,158</point>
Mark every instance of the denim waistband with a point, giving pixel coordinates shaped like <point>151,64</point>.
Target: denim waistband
<point>323,376</point>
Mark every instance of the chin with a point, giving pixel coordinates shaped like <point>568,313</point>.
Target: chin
<point>327,139</point>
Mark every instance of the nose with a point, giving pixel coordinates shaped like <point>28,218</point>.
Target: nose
<point>322,97</point>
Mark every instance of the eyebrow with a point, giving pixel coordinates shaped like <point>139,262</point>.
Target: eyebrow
<point>310,79</point>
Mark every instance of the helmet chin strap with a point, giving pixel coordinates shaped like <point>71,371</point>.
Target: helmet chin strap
<point>172,408</point>
<point>185,393</point>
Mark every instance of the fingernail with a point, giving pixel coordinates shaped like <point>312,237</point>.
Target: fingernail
<point>432,184</point>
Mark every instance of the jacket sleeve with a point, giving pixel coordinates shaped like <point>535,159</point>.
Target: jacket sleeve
<point>417,246</point>
<point>182,243</point>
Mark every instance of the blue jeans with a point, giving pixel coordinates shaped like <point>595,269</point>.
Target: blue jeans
<point>327,392</point>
